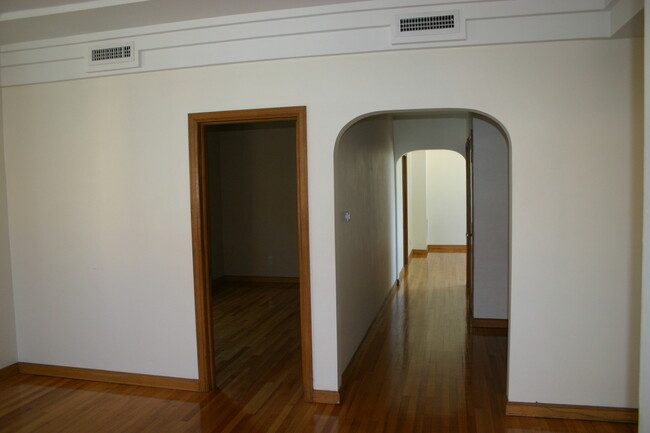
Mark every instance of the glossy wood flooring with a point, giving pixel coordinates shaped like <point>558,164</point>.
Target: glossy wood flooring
<point>417,371</point>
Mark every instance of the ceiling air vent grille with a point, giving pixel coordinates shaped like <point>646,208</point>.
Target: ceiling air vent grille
<point>436,22</point>
<point>115,56</point>
<point>428,27</point>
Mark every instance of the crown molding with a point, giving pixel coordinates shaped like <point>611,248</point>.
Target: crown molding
<point>348,28</point>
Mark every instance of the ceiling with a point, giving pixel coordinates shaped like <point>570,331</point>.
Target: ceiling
<point>28,20</point>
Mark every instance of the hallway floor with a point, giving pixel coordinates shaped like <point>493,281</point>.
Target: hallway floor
<point>417,371</point>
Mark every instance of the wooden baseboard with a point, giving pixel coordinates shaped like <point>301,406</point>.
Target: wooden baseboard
<point>109,376</point>
<point>490,323</point>
<point>447,248</point>
<point>567,411</point>
<point>8,371</point>
<point>418,254</point>
<point>326,397</point>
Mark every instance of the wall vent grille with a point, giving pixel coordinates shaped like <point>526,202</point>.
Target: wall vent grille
<point>435,22</point>
<point>428,27</point>
<point>113,53</point>
<point>120,55</point>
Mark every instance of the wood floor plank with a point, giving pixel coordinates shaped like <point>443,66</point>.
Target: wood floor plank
<point>420,369</point>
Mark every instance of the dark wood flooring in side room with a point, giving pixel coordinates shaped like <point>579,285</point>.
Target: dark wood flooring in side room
<point>417,371</point>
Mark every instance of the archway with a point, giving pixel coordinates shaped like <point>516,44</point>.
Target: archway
<point>369,218</point>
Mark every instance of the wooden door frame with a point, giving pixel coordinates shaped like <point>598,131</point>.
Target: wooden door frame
<point>201,242</point>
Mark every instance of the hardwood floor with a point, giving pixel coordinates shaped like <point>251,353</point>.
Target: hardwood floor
<point>417,371</point>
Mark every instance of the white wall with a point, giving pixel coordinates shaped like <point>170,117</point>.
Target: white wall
<point>491,215</point>
<point>365,246</point>
<point>446,197</point>
<point>416,181</point>
<point>399,216</point>
<point>259,224</point>
<point>644,385</point>
<point>100,223</point>
<point>8,351</point>
<point>430,130</point>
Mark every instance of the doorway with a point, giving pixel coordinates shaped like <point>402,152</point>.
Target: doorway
<point>201,125</point>
<point>369,193</point>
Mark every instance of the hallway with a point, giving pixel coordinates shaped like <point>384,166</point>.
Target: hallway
<point>417,371</point>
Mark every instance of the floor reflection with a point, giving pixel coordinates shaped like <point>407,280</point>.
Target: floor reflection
<point>419,370</point>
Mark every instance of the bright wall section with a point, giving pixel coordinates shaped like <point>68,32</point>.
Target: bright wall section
<point>8,350</point>
<point>446,197</point>
<point>99,212</point>
<point>365,244</point>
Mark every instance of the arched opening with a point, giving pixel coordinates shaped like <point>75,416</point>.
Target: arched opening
<point>372,246</point>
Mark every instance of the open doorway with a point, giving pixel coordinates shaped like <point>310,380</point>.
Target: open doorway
<point>369,198</point>
<point>485,186</point>
<point>249,230</point>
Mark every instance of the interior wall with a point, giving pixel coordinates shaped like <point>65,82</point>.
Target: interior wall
<point>418,225</point>
<point>430,130</point>
<point>259,218</point>
<point>8,349</point>
<point>365,245</point>
<point>399,217</point>
<point>491,220</point>
<point>213,195</point>
<point>644,383</point>
<point>99,212</point>
<point>446,197</point>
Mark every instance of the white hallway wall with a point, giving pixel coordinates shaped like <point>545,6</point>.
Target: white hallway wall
<point>446,197</point>
<point>8,350</point>
<point>416,181</point>
<point>100,224</point>
<point>491,215</point>
<point>365,246</point>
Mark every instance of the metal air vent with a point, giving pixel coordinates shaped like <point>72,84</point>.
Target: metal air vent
<point>435,22</point>
<point>428,27</point>
<point>114,56</point>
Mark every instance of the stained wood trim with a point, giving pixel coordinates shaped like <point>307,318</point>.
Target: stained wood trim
<point>447,248</point>
<point>200,243</point>
<point>418,254</point>
<point>109,376</point>
<point>566,411</point>
<point>8,371</point>
<point>490,323</point>
<point>326,397</point>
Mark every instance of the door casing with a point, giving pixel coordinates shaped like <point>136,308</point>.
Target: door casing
<point>201,243</point>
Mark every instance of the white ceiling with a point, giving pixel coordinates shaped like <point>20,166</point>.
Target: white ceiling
<point>32,20</point>
<point>28,20</point>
